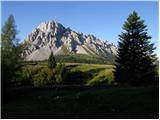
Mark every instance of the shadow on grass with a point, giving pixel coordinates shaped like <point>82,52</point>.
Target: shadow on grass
<point>79,77</point>
<point>83,102</point>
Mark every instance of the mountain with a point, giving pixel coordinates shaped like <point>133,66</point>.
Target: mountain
<point>53,36</point>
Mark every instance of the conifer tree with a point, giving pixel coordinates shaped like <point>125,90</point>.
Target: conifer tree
<point>10,52</point>
<point>51,61</point>
<point>135,59</point>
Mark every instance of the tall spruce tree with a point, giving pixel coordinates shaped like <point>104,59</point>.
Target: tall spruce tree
<point>10,52</point>
<point>135,59</point>
<point>51,61</point>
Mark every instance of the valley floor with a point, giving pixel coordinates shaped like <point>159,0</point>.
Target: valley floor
<point>83,102</point>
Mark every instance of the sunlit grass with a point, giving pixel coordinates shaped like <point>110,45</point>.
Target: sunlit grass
<point>104,76</point>
<point>87,67</point>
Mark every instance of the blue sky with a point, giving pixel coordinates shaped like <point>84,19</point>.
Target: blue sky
<point>102,19</point>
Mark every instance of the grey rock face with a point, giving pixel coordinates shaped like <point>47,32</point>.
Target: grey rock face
<point>52,36</point>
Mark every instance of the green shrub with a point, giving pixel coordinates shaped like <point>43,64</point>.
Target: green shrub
<point>41,76</point>
<point>60,73</point>
<point>39,80</point>
<point>25,75</point>
<point>56,75</point>
<point>50,76</point>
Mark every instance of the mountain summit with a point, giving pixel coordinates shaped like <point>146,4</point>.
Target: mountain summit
<point>52,36</point>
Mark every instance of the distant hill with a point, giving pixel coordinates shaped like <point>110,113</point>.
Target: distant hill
<point>52,36</point>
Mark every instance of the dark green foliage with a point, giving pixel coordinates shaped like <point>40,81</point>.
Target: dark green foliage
<point>41,76</point>
<point>8,65</point>
<point>51,61</point>
<point>10,56</point>
<point>25,78</point>
<point>10,53</point>
<point>56,71</point>
<point>51,80</point>
<point>52,70</point>
<point>60,73</point>
<point>27,75</point>
<point>40,79</point>
<point>135,60</point>
<point>49,77</point>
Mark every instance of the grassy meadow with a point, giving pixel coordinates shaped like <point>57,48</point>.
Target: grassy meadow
<point>89,91</point>
<point>75,73</point>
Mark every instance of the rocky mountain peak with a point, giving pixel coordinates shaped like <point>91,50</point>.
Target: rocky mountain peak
<point>53,36</point>
<point>47,26</point>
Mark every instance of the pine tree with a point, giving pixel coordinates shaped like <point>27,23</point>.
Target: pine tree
<point>10,52</point>
<point>51,61</point>
<point>135,59</point>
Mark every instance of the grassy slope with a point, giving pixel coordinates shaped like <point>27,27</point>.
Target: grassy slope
<point>80,58</point>
<point>83,102</point>
<point>95,73</point>
<point>88,74</point>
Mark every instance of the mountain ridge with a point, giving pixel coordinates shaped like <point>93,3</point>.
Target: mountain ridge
<point>53,36</point>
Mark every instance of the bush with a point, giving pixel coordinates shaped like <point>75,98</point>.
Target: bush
<point>26,74</point>
<point>50,77</point>
<point>39,80</point>
<point>60,73</point>
<point>26,77</point>
<point>39,76</point>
